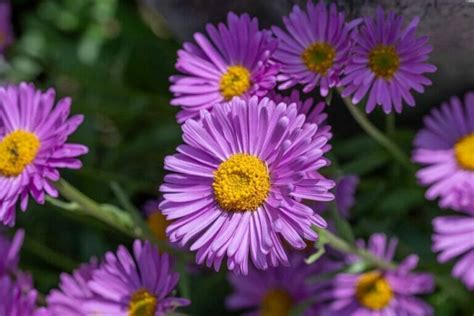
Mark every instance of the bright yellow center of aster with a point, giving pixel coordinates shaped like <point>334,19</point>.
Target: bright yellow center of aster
<point>464,151</point>
<point>373,291</point>
<point>384,61</point>
<point>158,224</point>
<point>319,57</point>
<point>17,150</point>
<point>142,304</point>
<point>241,183</point>
<point>276,302</point>
<point>235,82</point>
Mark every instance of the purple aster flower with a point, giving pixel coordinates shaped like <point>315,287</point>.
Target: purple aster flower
<point>315,113</point>
<point>15,302</point>
<point>377,292</point>
<point>33,135</point>
<point>387,62</point>
<point>237,185</point>
<point>73,291</point>
<point>315,49</point>
<point>155,219</point>
<point>454,237</point>
<point>6,32</point>
<point>446,149</point>
<point>138,284</point>
<point>234,60</point>
<point>10,253</point>
<point>345,193</point>
<point>274,292</point>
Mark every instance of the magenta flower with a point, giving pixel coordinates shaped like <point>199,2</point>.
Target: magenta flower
<point>233,60</point>
<point>73,291</point>
<point>236,185</point>
<point>454,237</point>
<point>6,32</point>
<point>315,47</point>
<point>377,292</point>
<point>10,253</point>
<point>33,135</point>
<point>138,284</point>
<point>17,302</point>
<point>314,112</point>
<point>387,62</point>
<point>445,147</point>
<point>346,187</point>
<point>276,291</point>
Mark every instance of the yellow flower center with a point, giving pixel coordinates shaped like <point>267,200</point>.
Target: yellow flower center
<point>384,61</point>
<point>158,224</point>
<point>276,302</point>
<point>241,183</point>
<point>17,150</point>
<point>319,57</point>
<point>142,304</point>
<point>373,291</point>
<point>464,152</point>
<point>235,82</point>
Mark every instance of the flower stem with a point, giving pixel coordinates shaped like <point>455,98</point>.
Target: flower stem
<point>376,134</point>
<point>341,245</point>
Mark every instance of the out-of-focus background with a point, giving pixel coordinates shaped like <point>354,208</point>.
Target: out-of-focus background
<point>114,59</point>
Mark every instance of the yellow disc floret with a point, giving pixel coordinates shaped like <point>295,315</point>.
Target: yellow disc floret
<point>17,150</point>
<point>235,82</point>
<point>373,291</point>
<point>464,152</point>
<point>241,183</point>
<point>384,61</point>
<point>319,57</point>
<point>276,302</point>
<point>158,224</point>
<point>142,303</point>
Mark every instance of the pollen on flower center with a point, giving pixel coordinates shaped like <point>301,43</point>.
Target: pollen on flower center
<point>235,82</point>
<point>384,61</point>
<point>373,291</point>
<point>319,57</point>
<point>17,150</point>
<point>464,152</point>
<point>241,183</point>
<point>142,303</point>
<point>276,302</point>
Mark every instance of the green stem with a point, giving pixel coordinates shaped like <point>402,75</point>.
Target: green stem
<point>107,214</point>
<point>49,255</point>
<point>377,135</point>
<point>342,245</point>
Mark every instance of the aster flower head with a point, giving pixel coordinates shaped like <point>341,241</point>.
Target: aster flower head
<point>379,292</point>
<point>15,302</point>
<point>234,59</point>
<point>155,219</point>
<point>315,112</point>
<point>314,48</point>
<point>274,292</point>
<point>445,148</point>
<point>73,291</point>
<point>6,32</point>
<point>387,62</point>
<point>454,237</point>
<point>134,284</point>
<point>10,252</point>
<point>33,135</point>
<point>237,184</point>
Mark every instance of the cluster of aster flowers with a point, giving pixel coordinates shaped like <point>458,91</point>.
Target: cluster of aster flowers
<point>247,187</point>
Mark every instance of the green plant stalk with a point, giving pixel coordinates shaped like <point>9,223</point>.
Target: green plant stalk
<point>92,208</point>
<point>342,245</point>
<point>376,134</point>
